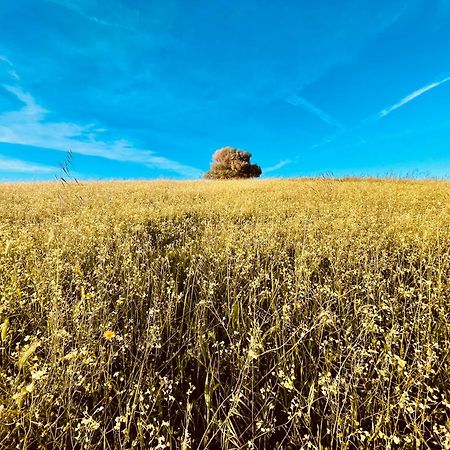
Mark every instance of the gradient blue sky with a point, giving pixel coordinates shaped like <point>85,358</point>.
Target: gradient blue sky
<point>149,89</point>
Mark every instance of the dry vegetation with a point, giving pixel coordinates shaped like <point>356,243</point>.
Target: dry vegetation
<point>225,315</point>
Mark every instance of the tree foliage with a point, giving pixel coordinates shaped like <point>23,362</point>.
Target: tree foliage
<point>232,163</point>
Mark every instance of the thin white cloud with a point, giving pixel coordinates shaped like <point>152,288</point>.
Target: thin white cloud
<point>6,60</point>
<point>12,72</point>
<point>385,112</point>
<point>296,100</point>
<point>20,166</point>
<point>71,6</point>
<point>277,166</point>
<point>28,126</point>
<point>392,19</point>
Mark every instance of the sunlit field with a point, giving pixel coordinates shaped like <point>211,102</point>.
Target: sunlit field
<point>294,314</point>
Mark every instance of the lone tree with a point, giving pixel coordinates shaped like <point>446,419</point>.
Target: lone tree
<point>232,163</point>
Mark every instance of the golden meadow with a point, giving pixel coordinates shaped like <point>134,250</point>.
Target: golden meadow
<point>293,314</point>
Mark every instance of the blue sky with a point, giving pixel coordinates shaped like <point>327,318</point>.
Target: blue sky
<point>149,89</point>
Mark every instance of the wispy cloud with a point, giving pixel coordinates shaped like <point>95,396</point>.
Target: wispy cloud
<point>20,166</point>
<point>12,70</point>
<point>75,8</point>
<point>29,126</point>
<point>277,166</point>
<point>392,19</point>
<point>296,100</point>
<point>385,112</point>
<point>6,60</point>
<point>72,6</point>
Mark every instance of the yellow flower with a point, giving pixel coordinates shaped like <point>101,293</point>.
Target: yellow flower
<point>4,329</point>
<point>108,334</point>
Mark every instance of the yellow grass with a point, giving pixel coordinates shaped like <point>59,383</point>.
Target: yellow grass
<point>237,314</point>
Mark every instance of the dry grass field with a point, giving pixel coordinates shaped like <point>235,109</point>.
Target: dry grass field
<point>279,314</point>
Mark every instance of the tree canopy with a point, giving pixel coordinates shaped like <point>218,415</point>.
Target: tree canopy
<point>229,162</point>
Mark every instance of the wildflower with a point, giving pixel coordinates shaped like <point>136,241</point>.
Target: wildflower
<point>19,397</point>
<point>4,329</point>
<point>27,352</point>
<point>37,375</point>
<point>90,424</point>
<point>109,334</point>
